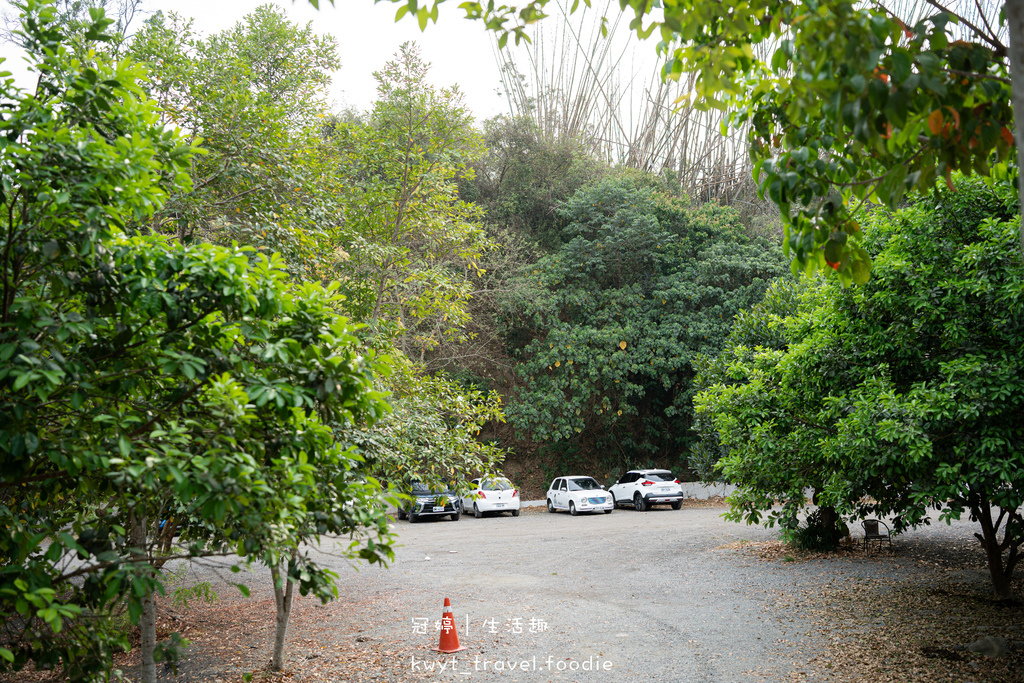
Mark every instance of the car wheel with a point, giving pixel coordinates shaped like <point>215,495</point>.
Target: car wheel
<point>638,503</point>
<point>676,506</point>
<point>456,516</point>
<point>413,518</point>
<point>572,508</point>
<point>476,512</point>
<point>402,514</point>
<point>515,513</point>
<point>608,512</point>
<point>551,508</point>
<point>615,503</point>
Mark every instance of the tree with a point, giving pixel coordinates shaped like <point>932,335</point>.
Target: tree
<point>524,176</point>
<point>256,96</point>
<point>761,327</point>
<point>432,433</point>
<point>75,17</point>
<point>606,327</point>
<point>409,252</point>
<point>408,241</point>
<point>144,379</point>
<point>895,398</point>
<point>844,100</point>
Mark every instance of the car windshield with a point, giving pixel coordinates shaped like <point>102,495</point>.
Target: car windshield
<point>421,489</point>
<point>583,484</point>
<point>496,485</point>
<point>660,476</point>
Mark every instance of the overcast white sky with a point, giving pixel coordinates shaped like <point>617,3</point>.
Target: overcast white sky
<point>367,35</point>
<point>459,51</point>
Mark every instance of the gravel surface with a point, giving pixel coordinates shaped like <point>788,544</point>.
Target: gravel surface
<point>663,595</point>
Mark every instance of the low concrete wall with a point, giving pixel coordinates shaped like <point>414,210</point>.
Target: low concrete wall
<point>702,490</point>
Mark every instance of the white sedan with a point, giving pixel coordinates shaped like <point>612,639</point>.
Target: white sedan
<point>491,495</point>
<point>578,494</point>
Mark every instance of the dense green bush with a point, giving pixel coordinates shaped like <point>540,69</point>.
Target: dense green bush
<point>605,328</point>
<point>819,532</point>
<point>892,398</point>
<point>524,177</point>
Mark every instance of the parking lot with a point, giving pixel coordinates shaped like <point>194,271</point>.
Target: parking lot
<point>635,594</point>
<point>661,595</point>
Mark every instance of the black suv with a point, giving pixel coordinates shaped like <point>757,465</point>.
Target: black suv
<point>430,502</point>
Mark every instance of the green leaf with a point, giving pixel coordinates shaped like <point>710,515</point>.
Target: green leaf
<point>22,380</point>
<point>929,61</point>
<point>861,267</point>
<point>901,65</point>
<point>896,108</point>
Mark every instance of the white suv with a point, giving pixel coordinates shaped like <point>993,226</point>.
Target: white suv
<point>644,488</point>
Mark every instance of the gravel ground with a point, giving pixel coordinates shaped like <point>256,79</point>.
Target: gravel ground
<point>663,595</point>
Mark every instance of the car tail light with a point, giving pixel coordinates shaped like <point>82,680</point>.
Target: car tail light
<point>515,493</point>
<point>481,494</point>
<point>646,483</point>
<point>677,482</point>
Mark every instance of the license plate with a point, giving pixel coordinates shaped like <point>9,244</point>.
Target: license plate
<point>439,508</point>
<point>499,505</point>
<point>664,488</point>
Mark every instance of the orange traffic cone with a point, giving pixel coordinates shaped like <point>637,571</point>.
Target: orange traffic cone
<point>449,638</point>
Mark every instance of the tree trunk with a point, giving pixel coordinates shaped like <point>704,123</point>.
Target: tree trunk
<point>147,621</point>
<point>283,598</point>
<point>828,520</point>
<point>1015,23</point>
<point>989,538</point>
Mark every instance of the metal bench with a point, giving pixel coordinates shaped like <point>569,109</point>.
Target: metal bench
<point>873,533</point>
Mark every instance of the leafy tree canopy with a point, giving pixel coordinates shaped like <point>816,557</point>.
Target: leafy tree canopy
<point>431,435</point>
<point>845,101</point>
<point>896,398</point>
<point>409,245</point>
<point>143,379</point>
<point>255,96</point>
<point>406,254</point>
<point>608,325</point>
<point>523,177</point>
